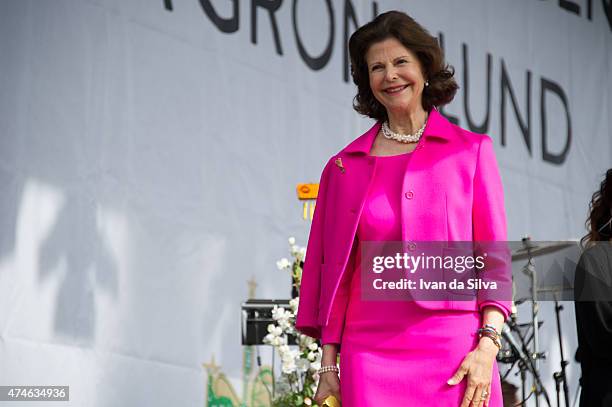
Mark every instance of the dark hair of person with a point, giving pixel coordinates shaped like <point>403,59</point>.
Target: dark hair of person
<point>599,212</point>
<point>395,24</point>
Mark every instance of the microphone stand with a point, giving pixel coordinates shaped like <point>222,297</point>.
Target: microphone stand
<point>560,376</point>
<point>529,270</point>
<point>518,351</point>
<point>527,359</point>
<point>533,359</point>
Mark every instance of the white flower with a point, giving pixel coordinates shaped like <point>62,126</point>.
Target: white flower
<point>275,340</point>
<point>275,336</point>
<point>302,365</point>
<point>283,264</point>
<point>288,359</point>
<point>316,364</point>
<point>278,313</point>
<point>294,303</point>
<point>305,340</point>
<point>301,253</point>
<point>297,362</point>
<point>275,330</point>
<point>282,317</point>
<point>288,367</point>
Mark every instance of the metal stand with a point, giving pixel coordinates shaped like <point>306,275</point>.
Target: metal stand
<point>526,362</point>
<point>560,376</point>
<point>529,359</point>
<point>535,354</point>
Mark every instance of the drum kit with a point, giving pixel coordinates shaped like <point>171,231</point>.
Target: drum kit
<point>521,340</point>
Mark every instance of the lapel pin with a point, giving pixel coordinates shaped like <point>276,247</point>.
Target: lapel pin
<point>339,164</point>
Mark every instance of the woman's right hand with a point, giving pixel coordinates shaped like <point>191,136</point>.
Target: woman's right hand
<point>329,385</point>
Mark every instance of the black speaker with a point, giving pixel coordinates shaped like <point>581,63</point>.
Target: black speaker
<point>256,316</point>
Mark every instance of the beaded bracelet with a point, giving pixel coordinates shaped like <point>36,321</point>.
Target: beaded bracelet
<point>487,329</point>
<point>490,332</point>
<point>494,336</point>
<point>490,326</point>
<point>330,368</point>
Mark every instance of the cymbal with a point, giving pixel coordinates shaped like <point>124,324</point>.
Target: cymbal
<point>532,249</point>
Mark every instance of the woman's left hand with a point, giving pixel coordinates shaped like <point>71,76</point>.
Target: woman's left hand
<point>478,366</point>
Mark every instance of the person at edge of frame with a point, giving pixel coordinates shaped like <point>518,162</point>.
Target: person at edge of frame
<point>593,301</point>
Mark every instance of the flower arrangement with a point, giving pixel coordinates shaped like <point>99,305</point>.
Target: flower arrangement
<point>298,380</point>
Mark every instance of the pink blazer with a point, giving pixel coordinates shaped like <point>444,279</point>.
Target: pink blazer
<point>452,192</point>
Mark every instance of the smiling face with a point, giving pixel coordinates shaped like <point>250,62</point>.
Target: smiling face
<point>396,77</point>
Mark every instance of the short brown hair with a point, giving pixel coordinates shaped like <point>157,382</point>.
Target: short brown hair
<point>395,24</point>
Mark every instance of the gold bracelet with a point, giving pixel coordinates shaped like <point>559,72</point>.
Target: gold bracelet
<point>331,401</point>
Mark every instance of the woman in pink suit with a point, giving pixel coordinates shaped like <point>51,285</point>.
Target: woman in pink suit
<point>413,177</point>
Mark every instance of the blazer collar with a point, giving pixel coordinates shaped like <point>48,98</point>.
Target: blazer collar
<point>437,126</point>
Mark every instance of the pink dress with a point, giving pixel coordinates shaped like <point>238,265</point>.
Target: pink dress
<point>395,353</point>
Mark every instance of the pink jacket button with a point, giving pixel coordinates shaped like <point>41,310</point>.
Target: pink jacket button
<point>409,195</point>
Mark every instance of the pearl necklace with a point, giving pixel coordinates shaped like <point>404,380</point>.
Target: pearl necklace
<point>402,138</point>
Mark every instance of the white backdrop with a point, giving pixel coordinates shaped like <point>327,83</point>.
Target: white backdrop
<point>148,164</point>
